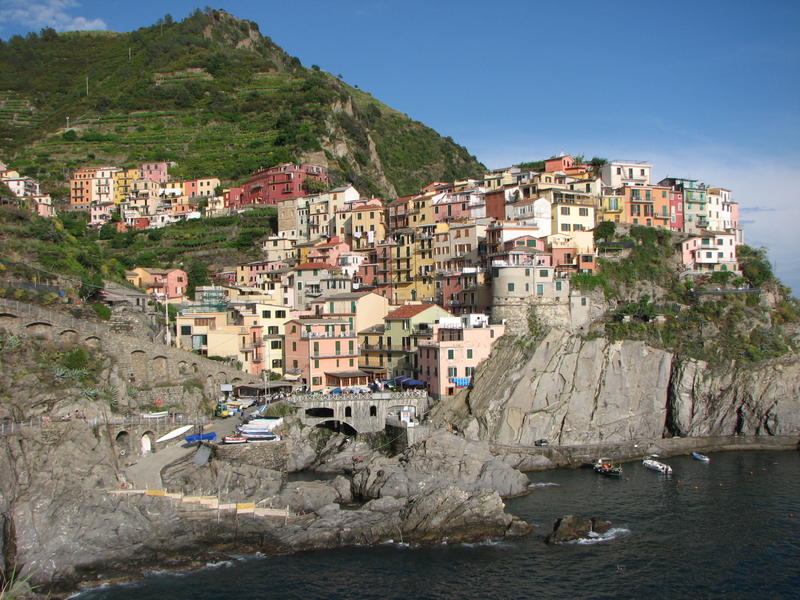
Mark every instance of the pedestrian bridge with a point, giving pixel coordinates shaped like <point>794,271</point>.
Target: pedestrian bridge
<point>360,413</point>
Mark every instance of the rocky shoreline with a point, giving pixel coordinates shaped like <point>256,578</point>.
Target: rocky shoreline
<point>66,526</point>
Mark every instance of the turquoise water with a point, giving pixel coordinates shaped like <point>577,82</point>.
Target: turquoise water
<point>718,530</point>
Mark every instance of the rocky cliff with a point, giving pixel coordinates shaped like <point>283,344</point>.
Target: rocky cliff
<point>571,389</point>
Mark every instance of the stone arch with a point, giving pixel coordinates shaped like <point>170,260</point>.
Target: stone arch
<point>222,377</point>
<point>158,369</point>
<point>236,380</point>
<point>92,341</point>
<point>320,411</point>
<point>68,335</point>
<point>139,365</point>
<point>147,443</point>
<point>338,426</point>
<point>39,329</point>
<point>194,368</point>
<point>123,443</point>
<point>183,367</point>
<point>7,318</point>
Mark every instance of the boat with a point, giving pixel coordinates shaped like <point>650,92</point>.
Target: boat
<point>201,437</point>
<point>700,457</point>
<point>155,415</point>
<point>655,465</point>
<point>174,433</point>
<point>606,467</point>
<point>234,439</point>
<point>266,436</point>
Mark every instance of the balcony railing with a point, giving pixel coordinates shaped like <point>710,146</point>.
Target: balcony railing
<point>313,335</point>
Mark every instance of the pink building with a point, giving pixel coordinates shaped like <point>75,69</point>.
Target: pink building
<point>676,210</point>
<point>711,251</point>
<point>559,163</point>
<point>281,182</point>
<point>328,253</point>
<point>323,353</point>
<point>233,198</point>
<point>171,283</point>
<point>448,360</point>
<point>154,172</point>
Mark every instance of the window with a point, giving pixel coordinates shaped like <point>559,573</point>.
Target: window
<point>338,348</point>
<point>316,381</point>
<point>348,411</point>
<point>266,314</point>
<point>469,352</point>
<point>584,212</point>
<point>186,330</point>
<point>539,289</point>
<point>510,287</point>
<point>558,286</point>
<point>316,363</point>
<point>452,371</point>
<point>543,273</point>
<point>272,330</point>
<point>565,227</point>
<point>468,371</point>
<point>316,347</point>
<point>583,301</point>
<point>565,210</point>
<point>451,354</point>
<point>373,411</point>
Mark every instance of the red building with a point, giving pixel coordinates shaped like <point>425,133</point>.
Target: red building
<point>281,182</point>
<point>233,198</point>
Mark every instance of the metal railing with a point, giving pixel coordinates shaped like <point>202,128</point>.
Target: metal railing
<point>8,427</point>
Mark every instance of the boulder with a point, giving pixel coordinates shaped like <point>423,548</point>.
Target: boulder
<point>307,496</point>
<point>453,515</point>
<point>570,528</point>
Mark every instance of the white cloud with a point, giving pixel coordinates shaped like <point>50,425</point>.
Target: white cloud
<point>37,14</point>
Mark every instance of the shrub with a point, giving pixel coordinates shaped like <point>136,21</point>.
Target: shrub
<point>102,311</point>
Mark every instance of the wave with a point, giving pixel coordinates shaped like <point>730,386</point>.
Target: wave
<point>543,484</point>
<point>599,538</point>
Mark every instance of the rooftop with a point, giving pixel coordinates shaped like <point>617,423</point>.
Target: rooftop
<point>408,311</point>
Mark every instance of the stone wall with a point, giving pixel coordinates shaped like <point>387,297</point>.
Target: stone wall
<point>139,363</point>
<point>267,455</point>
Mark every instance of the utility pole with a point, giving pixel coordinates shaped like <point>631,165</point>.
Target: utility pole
<point>87,85</point>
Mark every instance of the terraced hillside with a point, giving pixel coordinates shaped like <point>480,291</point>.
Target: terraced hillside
<point>211,94</point>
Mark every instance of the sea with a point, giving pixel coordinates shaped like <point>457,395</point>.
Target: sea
<point>726,529</point>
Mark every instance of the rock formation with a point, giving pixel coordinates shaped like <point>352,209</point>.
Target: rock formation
<point>569,528</point>
<point>572,390</point>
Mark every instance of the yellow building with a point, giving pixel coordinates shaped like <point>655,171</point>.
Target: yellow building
<point>124,179</point>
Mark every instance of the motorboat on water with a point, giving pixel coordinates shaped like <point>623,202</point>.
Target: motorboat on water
<point>606,467</point>
<point>658,466</point>
<point>700,457</point>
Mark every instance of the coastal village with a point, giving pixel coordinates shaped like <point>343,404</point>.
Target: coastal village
<point>354,292</point>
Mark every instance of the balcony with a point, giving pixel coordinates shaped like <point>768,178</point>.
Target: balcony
<point>314,335</point>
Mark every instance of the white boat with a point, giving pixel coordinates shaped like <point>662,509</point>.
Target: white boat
<point>655,465</point>
<point>700,457</point>
<point>174,433</point>
<point>155,415</point>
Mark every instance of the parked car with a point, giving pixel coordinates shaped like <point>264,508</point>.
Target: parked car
<point>541,443</point>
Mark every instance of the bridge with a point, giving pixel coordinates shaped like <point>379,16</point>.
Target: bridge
<point>360,413</point>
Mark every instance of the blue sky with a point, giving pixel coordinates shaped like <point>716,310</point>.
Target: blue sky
<point>709,90</point>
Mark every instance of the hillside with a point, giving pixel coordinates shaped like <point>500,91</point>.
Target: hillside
<point>63,250</point>
<point>211,94</point>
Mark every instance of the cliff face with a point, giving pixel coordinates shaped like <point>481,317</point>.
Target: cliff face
<point>571,390</point>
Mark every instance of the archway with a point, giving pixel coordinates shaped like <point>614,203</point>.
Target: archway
<point>123,443</point>
<point>339,427</point>
<point>319,412</point>
<point>147,443</point>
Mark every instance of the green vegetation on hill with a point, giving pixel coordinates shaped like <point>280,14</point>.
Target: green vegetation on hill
<point>209,93</point>
<point>709,326</point>
<point>42,250</point>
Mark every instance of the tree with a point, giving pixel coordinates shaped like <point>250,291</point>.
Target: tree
<point>70,135</point>
<point>605,231</point>
<point>314,186</point>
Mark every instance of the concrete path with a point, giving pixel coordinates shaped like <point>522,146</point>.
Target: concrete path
<point>146,473</point>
